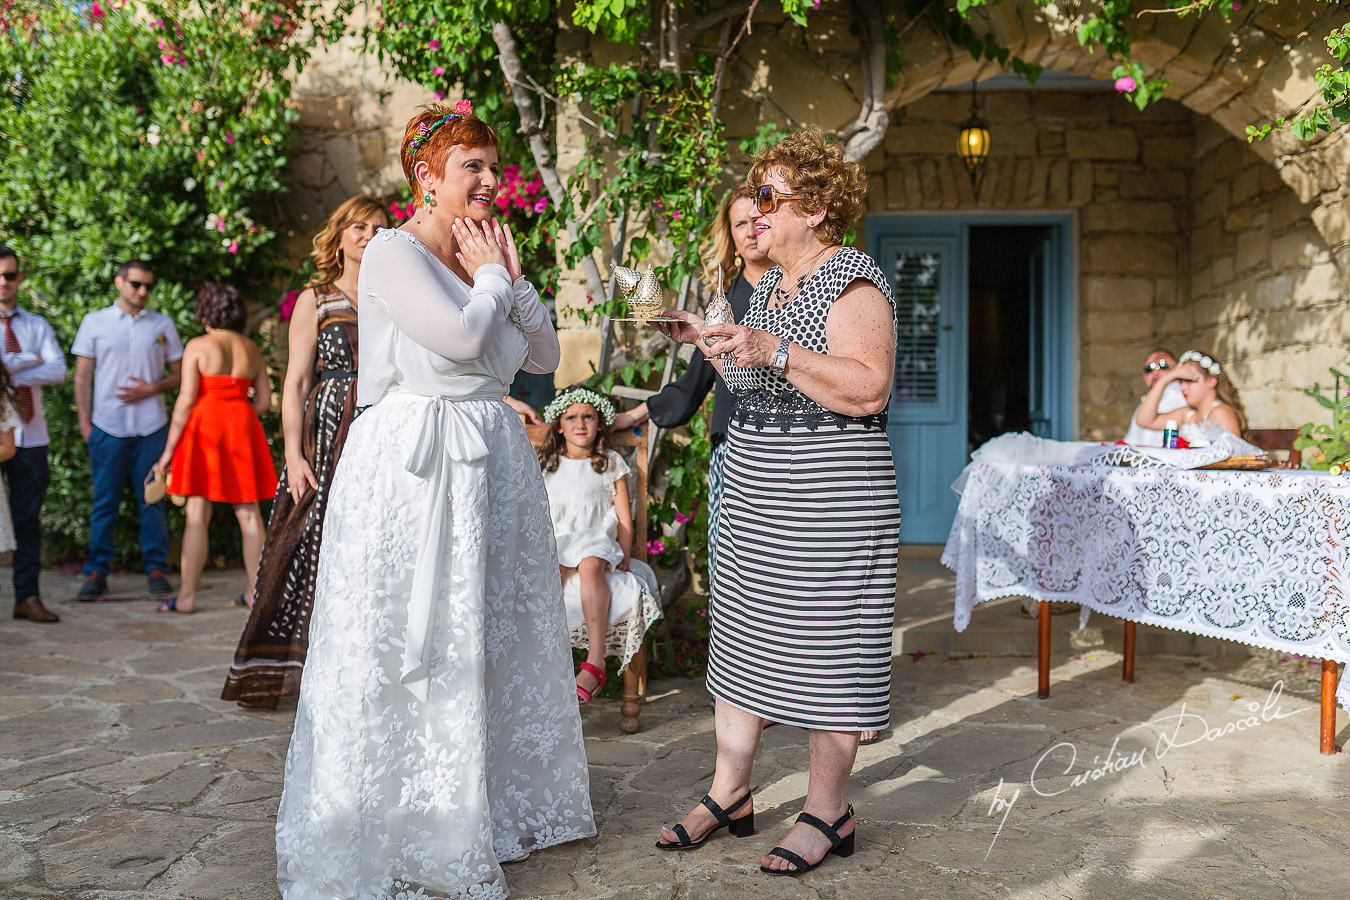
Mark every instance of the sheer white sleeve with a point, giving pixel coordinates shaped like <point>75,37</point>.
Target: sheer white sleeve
<point>531,317</point>
<point>402,280</point>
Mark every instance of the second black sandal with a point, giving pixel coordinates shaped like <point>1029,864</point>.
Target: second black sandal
<point>839,846</point>
<point>742,827</point>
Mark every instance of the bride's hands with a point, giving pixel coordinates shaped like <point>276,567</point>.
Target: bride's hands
<point>680,326</point>
<point>507,242</point>
<point>477,247</point>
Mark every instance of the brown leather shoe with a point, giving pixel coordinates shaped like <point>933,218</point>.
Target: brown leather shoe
<point>33,610</point>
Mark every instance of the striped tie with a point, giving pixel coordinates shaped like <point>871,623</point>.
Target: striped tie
<point>23,395</point>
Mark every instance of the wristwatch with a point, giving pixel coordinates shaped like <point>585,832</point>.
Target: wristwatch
<point>780,358</point>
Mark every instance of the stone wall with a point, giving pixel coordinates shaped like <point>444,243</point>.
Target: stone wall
<point>1124,173</point>
<point>1186,238</point>
<point>352,114</point>
<point>1266,297</point>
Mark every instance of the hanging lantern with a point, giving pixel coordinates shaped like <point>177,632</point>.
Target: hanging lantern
<point>973,144</point>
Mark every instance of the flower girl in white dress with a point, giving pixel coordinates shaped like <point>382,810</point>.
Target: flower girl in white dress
<point>437,733</point>
<point>606,591</point>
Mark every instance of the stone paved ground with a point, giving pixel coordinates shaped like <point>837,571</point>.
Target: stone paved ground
<point>122,775</point>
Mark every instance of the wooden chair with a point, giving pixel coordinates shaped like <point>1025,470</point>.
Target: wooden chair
<point>635,676</point>
<point>1278,439</point>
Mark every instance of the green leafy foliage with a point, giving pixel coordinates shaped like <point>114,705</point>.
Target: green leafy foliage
<point>152,130</point>
<point>1330,443</point>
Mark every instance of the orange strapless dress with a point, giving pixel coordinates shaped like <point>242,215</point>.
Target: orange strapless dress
<point>223,454</point>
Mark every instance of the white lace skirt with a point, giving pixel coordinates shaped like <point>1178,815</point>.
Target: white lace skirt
<point>390,796</point>
<point>634,606</point>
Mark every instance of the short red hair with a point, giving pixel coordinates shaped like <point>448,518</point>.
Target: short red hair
<point>464,129</point>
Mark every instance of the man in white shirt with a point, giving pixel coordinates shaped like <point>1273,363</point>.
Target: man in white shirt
<point>1157,363</point>
<point>126,358</point>
<point>34,359</point>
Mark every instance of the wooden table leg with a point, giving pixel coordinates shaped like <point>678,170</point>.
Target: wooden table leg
<point>1127,671</point>
<point>1329,671</point>
<point>1043,648</point>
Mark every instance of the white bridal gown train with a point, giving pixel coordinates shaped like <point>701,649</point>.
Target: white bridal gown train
<point>437,732</point>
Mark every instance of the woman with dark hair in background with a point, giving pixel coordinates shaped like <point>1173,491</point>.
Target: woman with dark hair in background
<point>216,450</point>
<point>318,404</point>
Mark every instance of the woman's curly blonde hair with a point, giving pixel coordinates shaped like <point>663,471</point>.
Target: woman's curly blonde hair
<point>328,261</point>
<point>816,170</point>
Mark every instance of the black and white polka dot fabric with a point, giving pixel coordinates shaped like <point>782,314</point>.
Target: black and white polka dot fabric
<point>762,392</point>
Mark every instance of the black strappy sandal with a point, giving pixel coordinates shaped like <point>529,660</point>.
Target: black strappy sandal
<point>742,827</point>
<point>839,846</point>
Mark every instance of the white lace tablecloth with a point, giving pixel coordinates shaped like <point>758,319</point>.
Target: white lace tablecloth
<point>1257,557</point>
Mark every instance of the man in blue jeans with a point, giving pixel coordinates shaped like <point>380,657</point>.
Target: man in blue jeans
<point>34,359</point>
<point>126,358</point>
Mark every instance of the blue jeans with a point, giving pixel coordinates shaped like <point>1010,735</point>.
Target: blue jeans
<point>27,475</point>
<point>117,462</point>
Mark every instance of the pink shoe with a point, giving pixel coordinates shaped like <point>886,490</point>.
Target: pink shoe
<point>585,695</point>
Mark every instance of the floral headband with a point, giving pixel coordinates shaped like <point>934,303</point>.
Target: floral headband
<point>579,395</point>
<point>1206,363</point>
<point>424,131</point>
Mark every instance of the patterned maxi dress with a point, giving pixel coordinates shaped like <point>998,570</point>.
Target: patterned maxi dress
<point>271,652</point>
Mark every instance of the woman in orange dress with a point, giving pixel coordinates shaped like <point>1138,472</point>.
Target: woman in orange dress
<point>216,450</point>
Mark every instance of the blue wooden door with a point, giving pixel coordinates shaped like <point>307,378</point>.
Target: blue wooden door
<point>928,419</point>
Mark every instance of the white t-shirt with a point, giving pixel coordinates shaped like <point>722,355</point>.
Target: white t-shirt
<point>122,346</point>
<point>1172,399</point>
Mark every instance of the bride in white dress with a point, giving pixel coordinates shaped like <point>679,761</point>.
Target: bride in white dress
<point>437,733</point>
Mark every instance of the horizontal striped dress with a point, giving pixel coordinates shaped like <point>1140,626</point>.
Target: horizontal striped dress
<point>803,593</point>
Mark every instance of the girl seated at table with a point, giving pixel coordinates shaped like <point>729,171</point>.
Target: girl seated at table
<point>1211,400</point>
<point>610,597</point>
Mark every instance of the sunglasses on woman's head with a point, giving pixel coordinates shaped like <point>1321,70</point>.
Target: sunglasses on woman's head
<point>1154,366</point>
<point>766,198</point>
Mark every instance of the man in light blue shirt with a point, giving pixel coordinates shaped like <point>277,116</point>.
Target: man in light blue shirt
<point>34,360</point>
<point>127,358</point>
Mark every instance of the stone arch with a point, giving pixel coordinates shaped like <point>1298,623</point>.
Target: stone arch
<point>1257,68</point>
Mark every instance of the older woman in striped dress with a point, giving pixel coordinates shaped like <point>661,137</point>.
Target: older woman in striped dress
<point>804,590</point>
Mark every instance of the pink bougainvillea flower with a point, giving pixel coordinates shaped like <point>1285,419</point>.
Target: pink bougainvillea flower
<point>220,224</point>
<point>439,70</point>
<point>438,96</point>
<point>288,305</point>
<point>433,45</point>
<point>229,137</point>
<point>681,518</point>
<point>234,247</point>
<point>1236,5</point>
<point>464,106</point>
<point>96,11</point>
<point>655,547</point>
<point>1126,84</point>
<point>541,204</point>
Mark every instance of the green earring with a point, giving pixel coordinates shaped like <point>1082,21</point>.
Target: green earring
<point>426,199</point>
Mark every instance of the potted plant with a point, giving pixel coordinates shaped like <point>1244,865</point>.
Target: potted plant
<point>1329,444</point>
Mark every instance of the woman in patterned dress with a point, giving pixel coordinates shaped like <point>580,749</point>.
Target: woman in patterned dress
<point>318,404</point>
<point>803,593</point>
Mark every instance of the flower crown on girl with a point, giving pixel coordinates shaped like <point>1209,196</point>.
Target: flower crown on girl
<point>580,395</point>
<point>1205,362</point>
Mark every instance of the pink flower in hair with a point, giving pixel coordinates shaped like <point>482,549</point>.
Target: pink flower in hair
<point>463,106</point>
